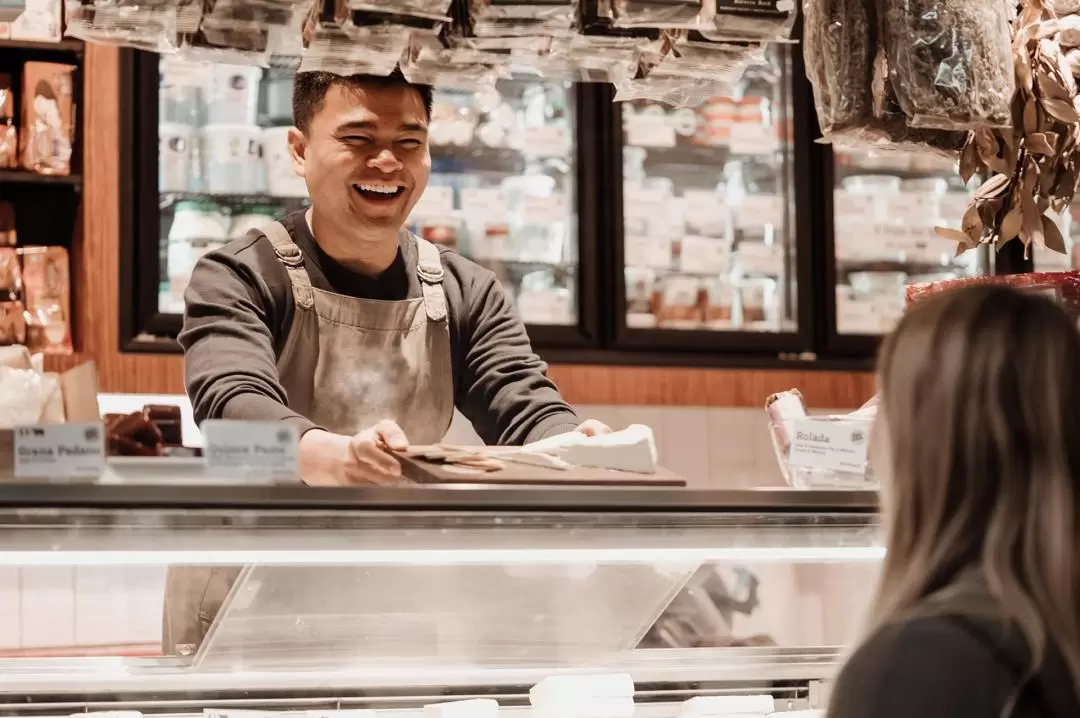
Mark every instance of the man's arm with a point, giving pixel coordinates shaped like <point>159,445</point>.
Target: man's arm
<point>229,363</point>
<point>504,389</point>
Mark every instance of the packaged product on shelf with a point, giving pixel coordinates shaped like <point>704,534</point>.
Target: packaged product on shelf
<point>958,79</point>
<point>501,18</point>
<point>431,60</point>
<point>233,94</point>
<point>719,303</point>
<point>704,255</point>
<point>821,451</point>
<point>175,143</point>
<point>281,177</point>
<point>430,9</point>
<point>12,323</point>
<point>48,115</point>
<point>231,157</point>
<point>757,303</point>
<point>690,73</point>
<point>728,707</point>
<point>154,27</point>
<point>9,137</point>
<point>47,294</point>
<point>363,42</point>
<point>10,274</point>
<point>679,305</point>
<point>640,297</point>
<point>251,30</point>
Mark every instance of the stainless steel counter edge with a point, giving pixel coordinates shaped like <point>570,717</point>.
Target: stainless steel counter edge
<point>428,498</point>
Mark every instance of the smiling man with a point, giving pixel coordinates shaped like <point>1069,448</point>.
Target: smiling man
<point>340,321</point>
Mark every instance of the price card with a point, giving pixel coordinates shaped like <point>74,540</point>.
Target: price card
<point>485,203</point>
<point>60,451</point>
<point>545,141</point>
<point>653,252</point>
<point>550,208</point>
<point>704,255</point>
<point>829,445</point>
<point>435,202</point>
<point>263,450</point>
<point>759,258</point>
<point>649,129</point>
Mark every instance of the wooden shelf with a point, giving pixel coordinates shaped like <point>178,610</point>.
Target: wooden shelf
<point>64,46</point>
<point>25,177</point>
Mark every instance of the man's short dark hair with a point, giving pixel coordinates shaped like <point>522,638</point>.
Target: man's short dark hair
<point>310,88</point>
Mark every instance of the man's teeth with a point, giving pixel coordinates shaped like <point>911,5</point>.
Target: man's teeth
<point>380,189</point>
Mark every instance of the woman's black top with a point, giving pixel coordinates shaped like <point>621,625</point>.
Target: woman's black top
<point>958,658</point>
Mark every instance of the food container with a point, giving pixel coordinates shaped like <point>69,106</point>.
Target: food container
<point>277,89</point>
<point>233,96</point>
<point>757,299</point>
<point>175,143</point>
<point>249,218</point>
<point>728,707</point>
<point>281,177</point>
<point>198,220</point>
<point>231,159</point>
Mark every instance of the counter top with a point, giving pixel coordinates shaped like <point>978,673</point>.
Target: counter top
<point>427,498</point>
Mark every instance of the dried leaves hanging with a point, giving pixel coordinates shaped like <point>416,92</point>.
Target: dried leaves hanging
<point>1035,164</point>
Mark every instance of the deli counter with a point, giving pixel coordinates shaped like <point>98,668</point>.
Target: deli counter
<point>393,599</point>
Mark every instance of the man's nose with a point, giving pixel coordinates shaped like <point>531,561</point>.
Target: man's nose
<point>385,161</point>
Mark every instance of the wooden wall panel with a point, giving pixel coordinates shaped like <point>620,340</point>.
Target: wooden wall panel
<point>96,278</point>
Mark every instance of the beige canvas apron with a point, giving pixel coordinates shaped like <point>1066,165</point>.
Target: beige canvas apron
<point>346,364</point>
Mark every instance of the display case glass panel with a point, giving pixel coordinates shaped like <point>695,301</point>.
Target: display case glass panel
<point>885,207</point>
<point>708,209</point>
<point>501,190</point>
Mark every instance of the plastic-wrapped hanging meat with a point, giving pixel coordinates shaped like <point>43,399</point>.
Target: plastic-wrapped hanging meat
<point>837,46</point>
<point>950,61</point>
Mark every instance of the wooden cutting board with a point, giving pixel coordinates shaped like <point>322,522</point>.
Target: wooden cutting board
<point>422,471</point>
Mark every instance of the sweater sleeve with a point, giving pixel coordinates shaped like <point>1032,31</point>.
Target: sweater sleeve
<point>229,363</point>
<point>503,385</point>
<point>928,667</point>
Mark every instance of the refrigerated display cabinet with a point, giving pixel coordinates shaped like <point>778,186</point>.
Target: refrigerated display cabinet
<point>708,252</point>
<point>885,206</point>
<point>395,598</point>
<point>507,188</point>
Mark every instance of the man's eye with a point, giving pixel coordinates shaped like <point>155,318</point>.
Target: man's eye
<point>411,144</point>
<point>356,138</point>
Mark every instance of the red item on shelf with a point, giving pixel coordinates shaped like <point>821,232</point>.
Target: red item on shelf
<point>1063,286</point>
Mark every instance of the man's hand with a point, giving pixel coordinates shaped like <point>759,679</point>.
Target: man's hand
<point>328,459</point>
<point>592,427</point>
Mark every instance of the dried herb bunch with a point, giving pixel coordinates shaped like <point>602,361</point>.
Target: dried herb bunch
<point>1034,164</point>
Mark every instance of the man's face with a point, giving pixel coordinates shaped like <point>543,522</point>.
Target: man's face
<point>365,157</point>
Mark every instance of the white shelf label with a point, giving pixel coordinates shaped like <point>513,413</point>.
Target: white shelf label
<point>60,450</point>
<point>833,446</point>
<point>263,450</point>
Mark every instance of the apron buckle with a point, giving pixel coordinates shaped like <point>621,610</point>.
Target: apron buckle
<point>290,256</point>
<point>430,274</point>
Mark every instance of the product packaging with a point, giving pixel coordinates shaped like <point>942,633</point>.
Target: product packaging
<point>502,18</point>
<point>40,20</point>
<point>29,395</point>
<point>347,41</point>
<point>951,62</point>
<point>754,21</point>
<point>821,452</point>
<point>47,294</point>
<point>9,137</point>
<point>154,27</point>
<point>48,117</point>
<point>8,236</point>
<point>673,14</point>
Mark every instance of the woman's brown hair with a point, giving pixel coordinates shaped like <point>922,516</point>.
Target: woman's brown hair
<point>979,430</point>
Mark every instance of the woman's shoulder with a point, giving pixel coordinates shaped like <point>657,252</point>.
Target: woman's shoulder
<point>925,666</point>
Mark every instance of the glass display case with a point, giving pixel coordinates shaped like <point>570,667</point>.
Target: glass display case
<point>503,189</point>
<point>885,207</point>
<point>392,599</point>
<point>708,215</point>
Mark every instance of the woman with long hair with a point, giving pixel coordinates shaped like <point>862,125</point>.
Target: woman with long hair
<point>977,447</point>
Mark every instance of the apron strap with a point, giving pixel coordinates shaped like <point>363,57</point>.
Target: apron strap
<point>290,255</point>
<point>429,269</point>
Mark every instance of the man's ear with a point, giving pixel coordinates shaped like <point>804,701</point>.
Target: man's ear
<point>298,150</point>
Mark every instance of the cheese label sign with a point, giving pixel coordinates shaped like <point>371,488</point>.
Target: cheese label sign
<point>263,451</point>
<point>60,451</point>
<point>834,446</point>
